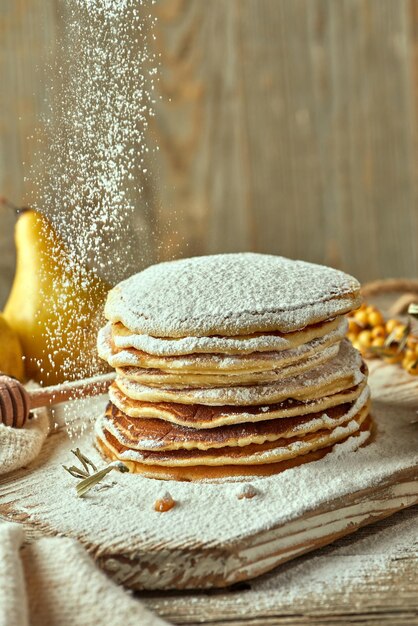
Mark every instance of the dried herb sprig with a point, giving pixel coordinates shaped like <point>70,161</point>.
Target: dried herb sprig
<point>85,485</point>
<point>85,462</point>
<point>90,480</point>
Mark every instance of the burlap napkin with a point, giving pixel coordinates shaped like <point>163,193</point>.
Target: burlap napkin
<point>53,582</point>
<point>20,446</point>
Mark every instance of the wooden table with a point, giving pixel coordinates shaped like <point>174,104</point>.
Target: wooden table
<point>380,586</point>
<point>377,567</point>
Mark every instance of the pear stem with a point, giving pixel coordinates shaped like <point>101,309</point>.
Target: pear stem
<point>10,205</point>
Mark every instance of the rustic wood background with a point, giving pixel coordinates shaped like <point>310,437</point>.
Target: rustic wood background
<point>285,126</point>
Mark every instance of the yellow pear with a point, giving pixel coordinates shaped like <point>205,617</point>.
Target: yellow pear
<point>11,357</point>
<point>55,305</point>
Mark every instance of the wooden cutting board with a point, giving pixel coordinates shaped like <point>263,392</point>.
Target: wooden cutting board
<point>212,538</point>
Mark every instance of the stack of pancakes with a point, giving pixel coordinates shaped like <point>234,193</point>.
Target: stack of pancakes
<point>231,365</point>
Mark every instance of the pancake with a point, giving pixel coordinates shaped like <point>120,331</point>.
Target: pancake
<point>335,375</point>
<point>230,294</point>
<point>215,363</point>
<point>202,416</point>
<point>154,434</point>
<point>123,338</point>
<point>253,454</point>
<point>234,472</point>
<point>183,380</point>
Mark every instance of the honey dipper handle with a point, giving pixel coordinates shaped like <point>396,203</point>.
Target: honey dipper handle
<point>85,388</point>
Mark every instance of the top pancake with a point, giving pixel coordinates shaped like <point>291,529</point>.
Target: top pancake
<point>230,294</point>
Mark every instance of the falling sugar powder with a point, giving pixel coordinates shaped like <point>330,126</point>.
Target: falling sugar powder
<point>107,8</point>
<point>98,127</point>
<point>100,105</point>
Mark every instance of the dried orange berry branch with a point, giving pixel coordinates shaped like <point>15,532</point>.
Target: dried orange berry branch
<point>391,340</point>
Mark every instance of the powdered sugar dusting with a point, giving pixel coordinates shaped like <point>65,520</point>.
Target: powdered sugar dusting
<point>315,583</point>
<point>99,119</point>
<point>100,104</point>
<point>230,294</point>
<point>184,381</point>
<point>109,9</point>
<point>350,445</point>
<point>274,455</point>
<point>325,421</point>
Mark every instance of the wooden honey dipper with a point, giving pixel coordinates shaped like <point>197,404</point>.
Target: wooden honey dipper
<point>17,402</point>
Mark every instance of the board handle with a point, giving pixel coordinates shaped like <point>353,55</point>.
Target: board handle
<point>88,387</point>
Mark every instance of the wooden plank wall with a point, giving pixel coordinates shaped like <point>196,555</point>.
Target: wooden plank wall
<point>284,126</point>
<point>27,35</point>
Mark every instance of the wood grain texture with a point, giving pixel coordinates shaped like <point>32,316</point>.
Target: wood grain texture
<point>284,126</point>
<point>26,46</point>
<point>371,594</point>
<point>289,127</point>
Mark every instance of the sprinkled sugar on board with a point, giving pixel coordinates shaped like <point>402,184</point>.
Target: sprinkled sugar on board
<point>367,578</point>
<point>213,537</point>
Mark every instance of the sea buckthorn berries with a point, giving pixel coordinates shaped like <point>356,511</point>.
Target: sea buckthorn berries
<point>365,338</point>
<point>378,331</point>
<point>391,325</point>
<point>398,333</point>
<point>392,355</point>
<point>361,318</point>
<point>412,368</point>
<point>378,342</point>
<point>375,318</point>
<point>390,340</point>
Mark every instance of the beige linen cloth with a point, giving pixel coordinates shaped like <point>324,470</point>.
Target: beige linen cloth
<point>53,581</point>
